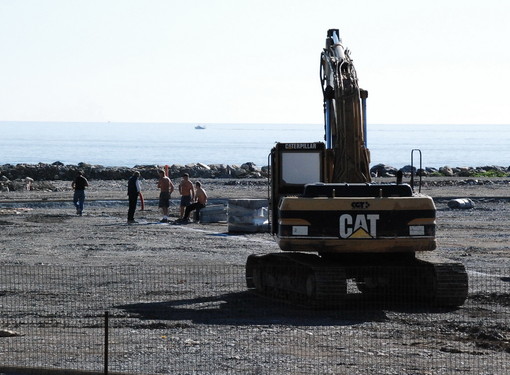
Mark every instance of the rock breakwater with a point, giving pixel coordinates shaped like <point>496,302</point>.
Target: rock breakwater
<point>16,177</point>
<point>383,170</point>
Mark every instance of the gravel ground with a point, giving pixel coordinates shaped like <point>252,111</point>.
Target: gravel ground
<point>177,292</point>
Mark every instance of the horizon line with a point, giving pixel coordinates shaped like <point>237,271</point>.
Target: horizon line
<point>234,123</point>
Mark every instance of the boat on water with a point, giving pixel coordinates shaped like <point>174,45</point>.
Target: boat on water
<point>200,127</point>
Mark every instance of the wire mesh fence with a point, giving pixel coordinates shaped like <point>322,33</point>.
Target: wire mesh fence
<point>203,320</point>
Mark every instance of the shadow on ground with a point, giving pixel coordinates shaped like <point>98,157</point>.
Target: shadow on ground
<point>247,308</point>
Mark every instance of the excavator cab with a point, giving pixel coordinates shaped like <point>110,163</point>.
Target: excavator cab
<point>293,166</point>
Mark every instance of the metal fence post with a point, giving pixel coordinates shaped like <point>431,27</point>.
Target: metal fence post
<point>106,319</point>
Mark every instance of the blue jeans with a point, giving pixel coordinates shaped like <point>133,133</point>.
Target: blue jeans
<point>78,199</point>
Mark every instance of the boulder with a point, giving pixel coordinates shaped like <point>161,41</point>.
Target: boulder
<point>446,171</point>
<point>382,170</point>
<point>461,203</point>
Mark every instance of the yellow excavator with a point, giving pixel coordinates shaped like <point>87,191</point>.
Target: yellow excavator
<point>335,227</point>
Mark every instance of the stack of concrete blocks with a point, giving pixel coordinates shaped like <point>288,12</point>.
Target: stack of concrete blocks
<point>248,215</point>
<point>216,213</point>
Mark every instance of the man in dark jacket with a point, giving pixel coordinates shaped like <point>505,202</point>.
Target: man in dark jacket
<point>79,184</point>
<point>133,192</point>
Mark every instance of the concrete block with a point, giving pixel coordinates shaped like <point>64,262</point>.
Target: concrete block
<point>213,214</point>
<point>248,215</point>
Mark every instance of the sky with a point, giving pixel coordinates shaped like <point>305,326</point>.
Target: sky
<point>251,61</point>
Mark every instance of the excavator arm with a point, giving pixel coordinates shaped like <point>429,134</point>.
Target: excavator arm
<point>344,115</point>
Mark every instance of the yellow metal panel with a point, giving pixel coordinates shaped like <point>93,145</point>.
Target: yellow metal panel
<point>290,221</point>
<point>385,245</point>
<point>423,221</point>
<point>344,204</point>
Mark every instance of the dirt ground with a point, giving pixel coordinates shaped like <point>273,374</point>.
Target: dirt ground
<point>40,228</point>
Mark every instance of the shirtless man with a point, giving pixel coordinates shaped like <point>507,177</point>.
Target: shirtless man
<point>187,193</point>
<point>200,202</point>
<point>166,188</point>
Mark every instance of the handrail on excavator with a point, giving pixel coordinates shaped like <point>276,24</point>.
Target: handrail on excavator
<point>412,168</point>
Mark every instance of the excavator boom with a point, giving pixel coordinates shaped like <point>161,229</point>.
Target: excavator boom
<point>344,114</point>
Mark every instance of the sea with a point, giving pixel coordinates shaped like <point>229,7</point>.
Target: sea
<point>131,144</point>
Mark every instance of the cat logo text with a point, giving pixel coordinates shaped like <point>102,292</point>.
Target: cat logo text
<point>358,226</point>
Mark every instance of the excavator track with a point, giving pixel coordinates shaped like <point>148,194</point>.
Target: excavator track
<point>322,282</point>
<point>420,280</point>
<point>450,281</point>
<point>297,277</point>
